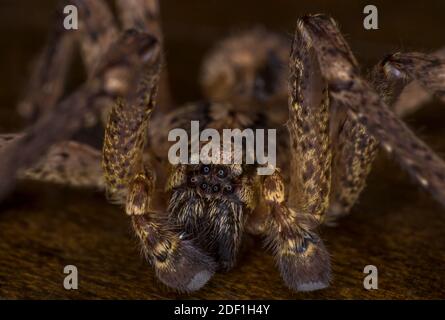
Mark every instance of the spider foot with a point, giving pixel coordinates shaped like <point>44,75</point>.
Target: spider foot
<point>178,263</point>
<point>307,267</point>
<point>185,269</point>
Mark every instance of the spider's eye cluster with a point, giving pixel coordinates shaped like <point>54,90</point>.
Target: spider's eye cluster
<point>211,179</point>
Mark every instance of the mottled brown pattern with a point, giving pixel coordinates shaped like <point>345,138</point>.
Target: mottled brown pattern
<point>428,70</point>
<point>350,90</point>
<point>354,153</point>
<point>309,133</point>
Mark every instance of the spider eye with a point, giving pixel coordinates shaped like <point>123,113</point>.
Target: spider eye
<point>215,188</point>
<point>228,189</point>
<point>222,173</point>
<point>205,169</point>
<point>193,180</point>
<point>204,186</point>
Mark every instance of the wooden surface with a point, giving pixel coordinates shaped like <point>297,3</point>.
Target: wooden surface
<point>395,227</point>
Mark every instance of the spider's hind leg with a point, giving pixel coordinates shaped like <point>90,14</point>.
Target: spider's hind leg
<point>427,70</point>
<point>354,147</point>
<point>356,96</point>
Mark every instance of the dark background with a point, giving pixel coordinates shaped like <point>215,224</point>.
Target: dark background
<point>395,226</point>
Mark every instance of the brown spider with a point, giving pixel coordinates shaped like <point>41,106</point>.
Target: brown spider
<point>191,219</point>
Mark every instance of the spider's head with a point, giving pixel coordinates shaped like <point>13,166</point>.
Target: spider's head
<point>209,204</point>
<point>248,68</point>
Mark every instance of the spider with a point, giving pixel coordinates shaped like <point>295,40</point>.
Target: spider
<point>191,219</point>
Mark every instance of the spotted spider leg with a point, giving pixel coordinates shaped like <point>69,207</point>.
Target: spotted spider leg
<point>354,147</point>
<point>414,96</point>
<point>177,262</point>
<point>353,93</point>
<point>300,253</point>
<point>354,150</point>
<point>427,70</point>
<point>47,81</point>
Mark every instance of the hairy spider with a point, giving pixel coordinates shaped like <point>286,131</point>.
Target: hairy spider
<point>191,219</point>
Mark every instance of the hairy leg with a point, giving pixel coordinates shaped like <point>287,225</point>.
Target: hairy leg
<point>426,70</point>
<point>302,258</point>
<point>353,93</point>
<point>414,96</point>
<point>178,263</point>
<point>354,148</point>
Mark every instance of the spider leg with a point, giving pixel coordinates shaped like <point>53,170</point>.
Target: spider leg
<point>354,150</point>
<point>178,263</point>
<point>414,96</point>
<point>427,70</point>
<point>408,90</point>
<point>145,15</point>
<point>300,253</point>
<point>68,162</point>
<point>351,92</point>
<point>354,147</point>
<point>47,80</point>
<point>301,256</point>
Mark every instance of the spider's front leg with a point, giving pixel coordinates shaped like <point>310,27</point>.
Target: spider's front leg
<point>178,262</point>
<point>302,258</point>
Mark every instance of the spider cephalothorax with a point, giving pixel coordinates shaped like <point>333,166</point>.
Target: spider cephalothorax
<point>211,205</point>
<point>191,218</point>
